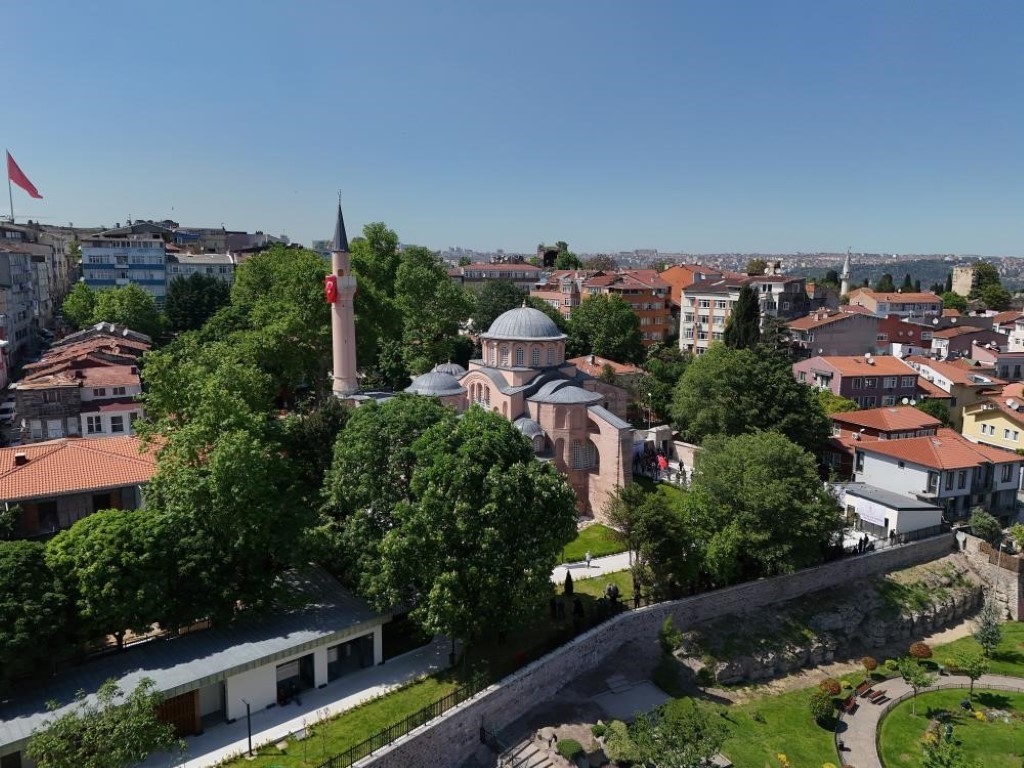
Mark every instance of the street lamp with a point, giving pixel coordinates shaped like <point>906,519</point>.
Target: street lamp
<point>650,410</point>
<point>248,723</point>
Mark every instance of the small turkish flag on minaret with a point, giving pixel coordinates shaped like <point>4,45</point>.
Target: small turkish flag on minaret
<point>15,174</point>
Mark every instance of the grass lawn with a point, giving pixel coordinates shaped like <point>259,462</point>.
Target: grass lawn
<point>1008,658</point>
<point>670,492</point>
<point>993,744</point>
<point>597,539</point>
<point>335,736</point>
<point>595,586</point>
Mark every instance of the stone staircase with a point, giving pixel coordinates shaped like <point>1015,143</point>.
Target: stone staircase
<point>525,754</point>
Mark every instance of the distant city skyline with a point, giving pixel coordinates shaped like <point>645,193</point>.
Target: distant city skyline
<point>686,127</point>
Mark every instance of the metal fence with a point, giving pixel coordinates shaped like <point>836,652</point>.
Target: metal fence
<point>402,728</point>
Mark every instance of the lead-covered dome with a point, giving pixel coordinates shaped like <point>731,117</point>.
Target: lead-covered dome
<point>524,323</point>
<point>452,369</point>
<point>435,384</point>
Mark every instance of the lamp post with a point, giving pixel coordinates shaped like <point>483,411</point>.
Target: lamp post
<point>248,723</point>
<point>650,410</point>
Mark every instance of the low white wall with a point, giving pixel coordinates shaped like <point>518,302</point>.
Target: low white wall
<point>259,686</point>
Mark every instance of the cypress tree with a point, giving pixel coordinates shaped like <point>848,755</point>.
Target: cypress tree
<point>743,331</point>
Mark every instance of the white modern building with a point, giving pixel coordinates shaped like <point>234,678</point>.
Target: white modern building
<point>219,265</point>
<point>118,257</point>
<point>884,514</point>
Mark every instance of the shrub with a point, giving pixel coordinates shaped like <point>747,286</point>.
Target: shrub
<point>870,664</point>
<point>706,677</point>
<point>666,676</point>
<point>569,748</point>
<point>669,638</point>
<point>618,744</point>
<point>757,717</point>
<point>920,650</point>
<point>892,665</point>
<point>830,686</point>
<point>821,707</point>
<point>599,730</point>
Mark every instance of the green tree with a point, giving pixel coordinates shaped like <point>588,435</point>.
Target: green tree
<point>456,546</point>
<point>885,284</point>
<point>79,306</point>
<point>131,306</point>
<point>833,403</point>
<point>935,407</point>
<point>988,629</point>
<point>33,611</point>
<point>822,707</point>
<point>970,663</point>
<point>756,266</point>
<point>618,745</point>
<point>908,283</point>
<point>948,285</point>
<point>107,730</point>
<point>1017,532</point>
<point>735,391</point>
<point>375,262</point>
<point>494,298</point>
<point>465,261</point>
<point>193,300</point>
<point>985,526</point>
<point>985,274</point>
<point>678,734</point>
<point>606,325</point>
<point>109,565</point>
<point>566,259</point>
<point>831,279</point>
<point>601,263</point>
<point>743,329</point>
<point>943,753</point>
<point>664,365</point>
<point>623,512</point>
<point>308,437</point>
<point>668,558</point>
<point>916,677</point>
<point>952,300</point>
<point>758,503</point>
<point>995,297</point>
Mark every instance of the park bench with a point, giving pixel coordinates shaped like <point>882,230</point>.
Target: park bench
<point>860,689</point>
<point>867,692</point>
<point>877,696</point>
<point>849,704</point>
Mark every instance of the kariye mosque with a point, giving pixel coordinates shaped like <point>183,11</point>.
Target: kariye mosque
<point>571,418</point>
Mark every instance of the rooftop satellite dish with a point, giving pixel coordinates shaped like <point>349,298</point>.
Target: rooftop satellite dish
<point>935,321</point>
<point>1012,403</point>
<point>906,400</point>
<point>867,355</point>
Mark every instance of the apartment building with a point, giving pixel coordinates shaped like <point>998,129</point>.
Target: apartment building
<point>562,289</point>
<point>18,305</point>
<point>850,429</point>
<point>475,276</point>
<point>997,419</point>
<point>825,332</point>
<point>867,380</point>
<point>218,265</point>
<point>646,292</point>
<point>909,304</point>
<point>132,255</point>
<point>963,384</point>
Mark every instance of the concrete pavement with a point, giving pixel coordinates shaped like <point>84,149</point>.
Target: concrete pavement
<point>226,740</point>
<point>599,566</point>
<point>857,731</point>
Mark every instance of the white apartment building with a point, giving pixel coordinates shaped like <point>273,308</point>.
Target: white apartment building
<point>218,265</point>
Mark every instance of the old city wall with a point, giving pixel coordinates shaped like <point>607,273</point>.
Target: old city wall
<point>999,569</point>
<point>452,738</point>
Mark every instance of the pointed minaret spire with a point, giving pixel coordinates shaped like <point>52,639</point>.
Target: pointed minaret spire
<point>340,241</point>
<point>844,287</point>
<point>343,328</point>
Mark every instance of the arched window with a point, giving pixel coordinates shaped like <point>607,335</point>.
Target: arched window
<point>584,455</point>
<point>538,444</point>
<point>487,395</point>
<point>535,356</point>
<point>520,357</point>
<point>492,354</point>
<point>503,357</point>
<point>551,355</point>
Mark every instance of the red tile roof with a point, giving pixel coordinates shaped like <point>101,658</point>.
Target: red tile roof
<point>898,298</point>
<point>110,376</point>
<point>954,372</point>
<point>595,368</point>
<point>931,391</point>
<point>888,419</point>
<point>957,330</point>
<point>819,319</point>
<point>856,365</point>
<point>945,450</point>
<point>74,465</point>
<point>1009,316</point>
<point>111,405</point>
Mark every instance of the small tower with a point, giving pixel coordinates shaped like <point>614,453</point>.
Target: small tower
<point>340,289</point>
<point>844,286</point>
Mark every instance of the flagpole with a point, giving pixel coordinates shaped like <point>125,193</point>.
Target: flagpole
<point>10,195</point>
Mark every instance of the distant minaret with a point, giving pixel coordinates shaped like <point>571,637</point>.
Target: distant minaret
<point>341,296</point>
<point>844,286</point>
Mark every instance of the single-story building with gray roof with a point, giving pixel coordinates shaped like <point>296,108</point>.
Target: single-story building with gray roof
<point>208,676</point>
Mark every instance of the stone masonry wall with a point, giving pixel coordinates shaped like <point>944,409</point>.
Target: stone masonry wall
<point>1001,570</point>
<point>452,738</point>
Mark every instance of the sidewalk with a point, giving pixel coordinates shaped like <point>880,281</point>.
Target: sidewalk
<point>599,566</point>
<point>226,740</point>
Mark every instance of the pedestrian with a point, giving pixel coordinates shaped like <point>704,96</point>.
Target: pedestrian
<point>588,558</point>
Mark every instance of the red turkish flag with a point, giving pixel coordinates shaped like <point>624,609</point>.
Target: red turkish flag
<point>15,174</point>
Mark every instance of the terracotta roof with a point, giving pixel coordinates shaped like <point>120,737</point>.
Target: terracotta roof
<point>110,376</point>
<point>47,381</point>
<point>111,405</point>
<point>898,298</point>
<point>1009,316</point>
<point>951,313</point>
<point>1011,393</point>
<point>501,267</point>
<point>819,319</point>
<point>857,365</point>
<point>957,330</point>
<point>595,368</point>
<point>74,465</point>
<point>954,372</point>
<point>931,391</point>
<point>945,450</point>
<point>888,419</point>
<point>629,279</point>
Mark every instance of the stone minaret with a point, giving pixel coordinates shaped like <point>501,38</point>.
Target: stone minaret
<point>343,316</point>
<point>844,287</point>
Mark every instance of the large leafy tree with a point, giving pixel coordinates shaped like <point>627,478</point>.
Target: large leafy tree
<point>952,300</point>
<point>110,565</point>
<point>743,331</point>
<point>131,306</point>
<point>678,734</point>
<point>885,284</point>
<point>494,298</point>
<point>831,403</point>
<point>486,519</point>
<point>566,259</point>
<point>995,297</point>
<point>79,306</point>
<point>107,730</point>
<point>936,407</point>
<point>736,391</point>
<point>375,261</point>
<point>758,504</point>
<point>985,275</point>
<point>33,610</point>
<point>606,325</point>
<point>663,366</point>
<point>193,300</point>
<point>988,629</point>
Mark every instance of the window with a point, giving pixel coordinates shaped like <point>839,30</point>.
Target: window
<point>889,382</point>
<point>1006,434</point>
<point>100,392</point>
<point>551,355</point>
<point>882,337</point>
<point>535,357</point>
<point>856,383</point>
<point>36,427</point>
<point>933,482</point>
<point>889,400</point>
<point>503,357</point>
<point>949,481</point>
<point>117,423</point>
<point>719,304</point>
<point>1007,473</point>
<point>859,461</point>
<point>520,357</point>
<point>704,303</point>
<point>116,391</point>
<point>51,396</point>
<point>870,382</point>
<point>93,424</point>
<point>961,479</point>
<point>907,381</point>
<point>868,402</point>
<point>802,376</point>
<point>926,335</point>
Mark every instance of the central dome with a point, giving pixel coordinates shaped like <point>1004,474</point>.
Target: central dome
<point>524,323</point>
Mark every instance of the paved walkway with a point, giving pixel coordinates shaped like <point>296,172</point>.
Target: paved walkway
<point>599,566</point>
<point>857,731</point>
<point>226,740</point>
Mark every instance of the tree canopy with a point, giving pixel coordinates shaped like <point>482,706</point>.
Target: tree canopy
<point>735,391</point>
<point>601,262</point>
<point>678,735</point>
<point>606,325</point>
<point>566,259</point>
<point>995,297</point>
<point>79,306</point>
<point>885,284</point>
<point>743,330</point>
<point>193,300</point>
<point>953,300</point>
<point>131,306</point>
<point>935,407</point>
<point>494,298</point>
<point>756,266</point>
<point>833,403</point>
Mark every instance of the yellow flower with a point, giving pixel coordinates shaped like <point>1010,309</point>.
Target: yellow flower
<point>979,715</point>
<point>827,765</point>
<point>783,760</point>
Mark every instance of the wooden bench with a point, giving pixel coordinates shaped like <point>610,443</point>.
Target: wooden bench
<point>859,690</point>
<point>867,693</point>
<point>877,695</point>
<point>849,704</point>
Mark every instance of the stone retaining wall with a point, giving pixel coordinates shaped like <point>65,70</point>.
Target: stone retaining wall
<point>1000,570</point>
<point>454,737</point>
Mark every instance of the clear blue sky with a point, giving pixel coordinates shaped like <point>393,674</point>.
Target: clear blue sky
<point>698,126</point>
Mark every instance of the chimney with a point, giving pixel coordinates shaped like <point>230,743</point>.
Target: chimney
<point>20,459</point>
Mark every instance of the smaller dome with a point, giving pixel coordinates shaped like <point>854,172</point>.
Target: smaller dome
<point>567,396</point>
<point>524,323</point>
<point>435,384</point>
<point>452,369</point>
<point>528,426</point>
